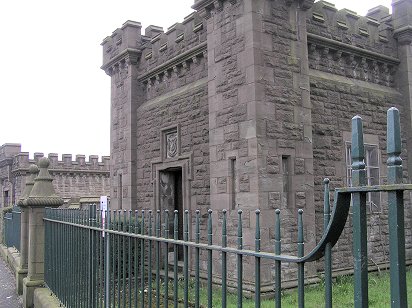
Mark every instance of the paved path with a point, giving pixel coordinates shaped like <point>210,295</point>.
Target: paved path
<point>8,296</point>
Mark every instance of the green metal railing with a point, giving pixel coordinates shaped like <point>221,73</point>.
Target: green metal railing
<point>124,260</point>
<point>12,223</point>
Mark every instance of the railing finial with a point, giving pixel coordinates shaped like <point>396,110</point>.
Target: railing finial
<point>358,153</point>
<point>394,147</point>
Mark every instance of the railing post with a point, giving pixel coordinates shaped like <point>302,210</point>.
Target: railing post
<point>224,260</point>
<point>107,258</point>
<point>92,254</point>
<point>360,252</point>
<point>21,271</point>
<point>257,260</point>
<point>328,248</point>
<point>209,259</point>
<point>41,195</point>
<point>278,279</point>
<point>301,265</point>
<point>396,212</point>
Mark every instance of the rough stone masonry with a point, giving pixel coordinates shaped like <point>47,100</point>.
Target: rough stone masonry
<point>247,104</point>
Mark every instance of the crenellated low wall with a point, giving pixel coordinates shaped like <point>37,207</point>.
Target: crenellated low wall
<point>74,178</point>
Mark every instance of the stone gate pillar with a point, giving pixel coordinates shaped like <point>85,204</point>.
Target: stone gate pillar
<point>42,195</point>
<point>21,271</point>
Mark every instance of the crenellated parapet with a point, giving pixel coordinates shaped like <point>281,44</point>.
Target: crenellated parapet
<point>360,47</point>
<point>168,56</point>
<point>122,48</point>
<point>22,161</point>
<point>160,57</point>
<point>372,32</point>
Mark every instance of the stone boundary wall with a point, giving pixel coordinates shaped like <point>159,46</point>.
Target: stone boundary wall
<point>76,178</point>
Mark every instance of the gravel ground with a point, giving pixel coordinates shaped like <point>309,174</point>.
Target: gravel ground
<point>8,296</point>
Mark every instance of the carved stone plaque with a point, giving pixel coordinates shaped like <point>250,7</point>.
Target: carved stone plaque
<point>171,145</point>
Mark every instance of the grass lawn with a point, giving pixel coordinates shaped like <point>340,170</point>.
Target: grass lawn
<point>379,294</point>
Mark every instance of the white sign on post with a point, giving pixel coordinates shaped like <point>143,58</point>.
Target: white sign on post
<point>103,210</point>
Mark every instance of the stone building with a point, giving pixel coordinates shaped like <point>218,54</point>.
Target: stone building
<point>248,104</point>
<point>72,180</point>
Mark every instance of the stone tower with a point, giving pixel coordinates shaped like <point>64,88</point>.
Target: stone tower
<point>247,104</point>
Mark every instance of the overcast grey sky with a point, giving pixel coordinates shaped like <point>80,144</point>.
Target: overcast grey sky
<point>54,96</point>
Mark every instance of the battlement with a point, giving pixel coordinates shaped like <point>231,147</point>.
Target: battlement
<point>373,32</point>
<point>124,42</point>
<point>161,46</point>
<point>159,53</point>
<point>344,43</point>
<point>93,164</point>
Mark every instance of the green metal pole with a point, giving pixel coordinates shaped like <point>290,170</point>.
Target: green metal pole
<point>136,260</point>
<point>328,248</point>
<point>124,286</point>
<point>257,261</point>
<point>301,265</point>
<point>197,261</point>
<point>150,261</point>
<point>97,258</point>
<point>129,261</point>
<point>107,256</point>
<point>119,260</point>
<point>209,260</point>
<point>396,212</point>
<point>278,280</point>
<point>186,259</point>
<point>175,258</point>
<point>91,287</point>
<point>158,259</point>
<point>114,257</point>
<point>142,260</point>
<point>360,252</point>
<point>224,260</point>
<point>239,260</point>
<point>166,260</point>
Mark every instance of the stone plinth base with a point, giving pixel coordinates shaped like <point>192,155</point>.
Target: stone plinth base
<point>28,291</point>
<point>44,299</point>
<point>21,273</point>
